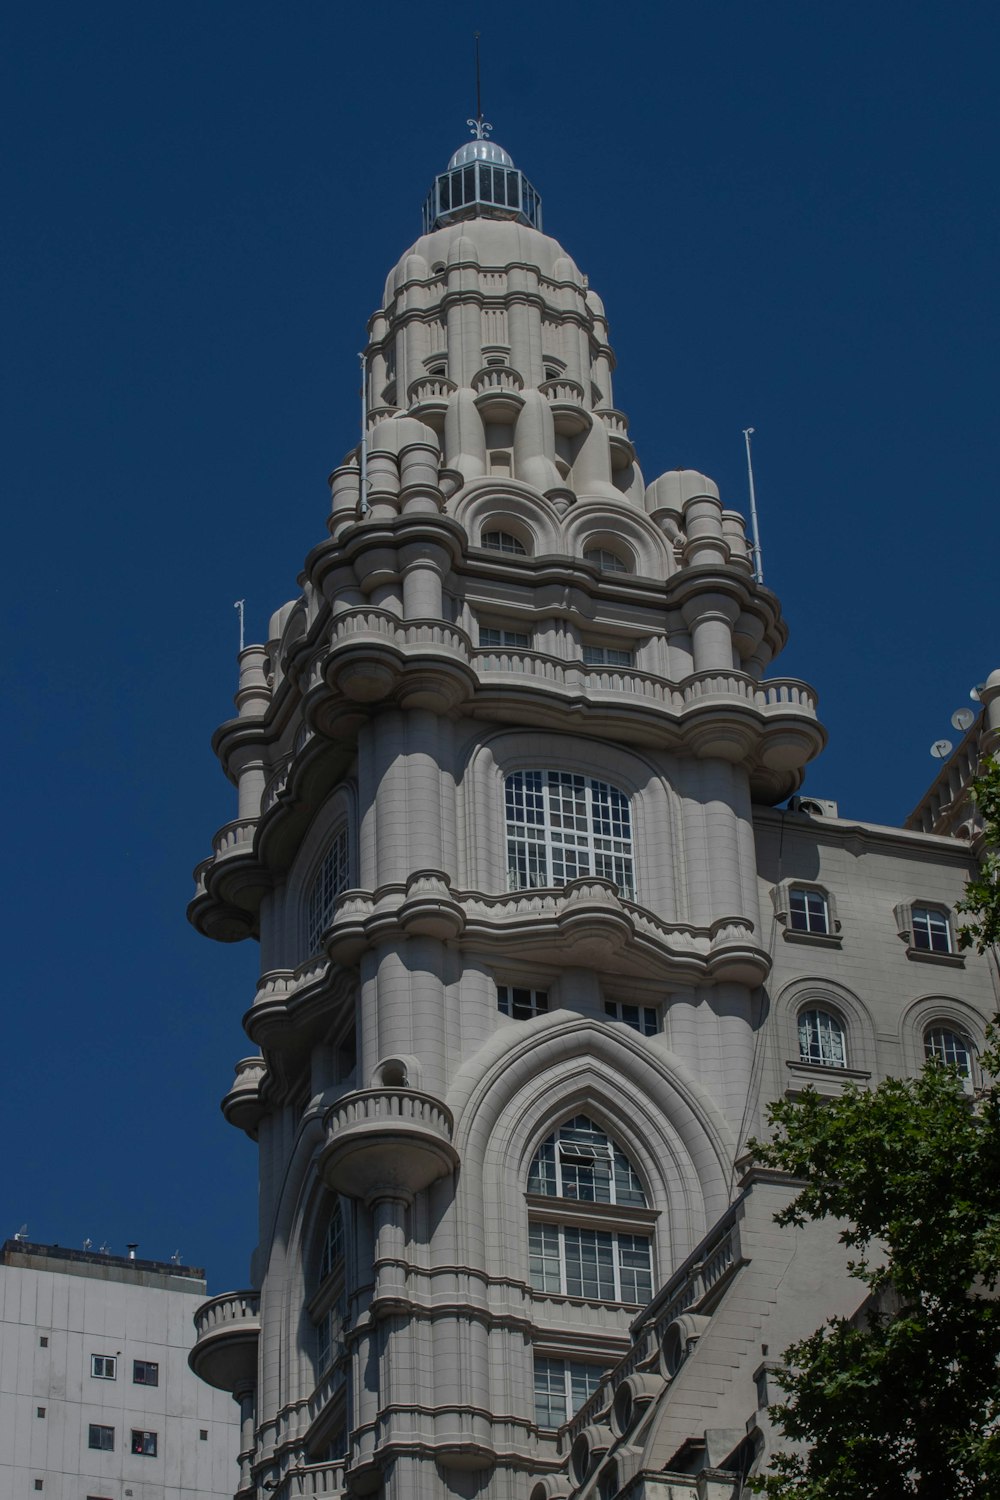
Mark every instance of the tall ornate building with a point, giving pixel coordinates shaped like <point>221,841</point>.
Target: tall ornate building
<point>536,947</point>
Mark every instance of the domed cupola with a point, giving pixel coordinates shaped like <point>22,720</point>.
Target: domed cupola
<point>481,181</point>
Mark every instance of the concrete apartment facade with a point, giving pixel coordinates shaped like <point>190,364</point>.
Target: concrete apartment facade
<point>96,1396</point>
<point>537,945</point>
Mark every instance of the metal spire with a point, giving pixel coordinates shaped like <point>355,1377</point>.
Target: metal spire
<point>480,128</point>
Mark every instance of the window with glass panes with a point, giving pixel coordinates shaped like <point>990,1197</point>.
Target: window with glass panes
<point>808,911</point>
<point>642,1018</point>
<point>521,1004</point>
<point>948,1047</point>
<point>821,1039</point>
<point>330,879</point>
<point>607,656</point>
<point>931,930</point>
<point>333,1243</point>
<point>562,1386</point>
<point>488,636</point>
<point>561,826</point>
<point>504,541</point>
<point>606,560</point>
<point>580,1162</point>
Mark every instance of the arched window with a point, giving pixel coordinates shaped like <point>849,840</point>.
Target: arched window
<point>561,826</point>
<point>504,541</point>
<point>580,1164</point>
<point>330,879</point>
<point>606,560</point>
<point>948,1047</point>
<point>821,1039</point>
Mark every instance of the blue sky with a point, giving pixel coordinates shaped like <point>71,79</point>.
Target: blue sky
<point>790,212</point>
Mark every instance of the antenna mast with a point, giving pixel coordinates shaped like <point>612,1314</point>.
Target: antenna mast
<point>238,606</point>
<point>758,561</point>
<point>363,477</point>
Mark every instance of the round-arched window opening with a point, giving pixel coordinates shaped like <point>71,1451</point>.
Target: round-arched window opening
<point>950,1048</point>
<point>504,541</point>
<point>821,1039</point>
<point>606,560</point>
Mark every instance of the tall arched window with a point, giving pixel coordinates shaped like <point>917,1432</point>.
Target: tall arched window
<point>561,826</point>
<point>330,879</point>
<point>579,1164</point>
<point>821,1039</point>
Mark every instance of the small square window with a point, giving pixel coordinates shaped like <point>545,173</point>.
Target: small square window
<point>43,1342</point>
<point>144,1443</point>
<point>104,1367</point>
<point>39,1411</point>
<point>101,1438</point>
<point>39,1484</point>
<point>203,1434</point>
<point>145,1372</point>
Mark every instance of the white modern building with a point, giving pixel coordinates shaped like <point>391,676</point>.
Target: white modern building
<point>537,943</point>
<point>96,1398</point>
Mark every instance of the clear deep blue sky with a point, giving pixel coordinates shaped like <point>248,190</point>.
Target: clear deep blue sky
<point>789,209</point>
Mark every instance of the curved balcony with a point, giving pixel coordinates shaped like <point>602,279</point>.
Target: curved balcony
<point>428,397</point>
<point>227,1332</point>
<point>242,1106</point>
<point>392,1141</point>
<point>622,449</point>
<point>566,397</point>
<point>498,393</point>
<point>234,838</point>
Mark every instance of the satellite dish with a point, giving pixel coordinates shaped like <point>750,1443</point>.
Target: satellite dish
<point>976,692</point>
<point>941,749</point>
<point>962,718</point>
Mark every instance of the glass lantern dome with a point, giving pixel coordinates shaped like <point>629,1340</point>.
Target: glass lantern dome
<point>482,180</point>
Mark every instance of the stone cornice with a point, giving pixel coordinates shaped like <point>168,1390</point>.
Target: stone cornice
<point>837,832</point>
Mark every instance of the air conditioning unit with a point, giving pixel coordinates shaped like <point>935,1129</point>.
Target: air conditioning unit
<point>816,807</point>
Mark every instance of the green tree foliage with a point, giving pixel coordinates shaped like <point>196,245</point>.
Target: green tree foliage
<point>902,1402</point>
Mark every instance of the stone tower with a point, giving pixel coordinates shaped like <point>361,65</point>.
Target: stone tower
<point>498,769</point>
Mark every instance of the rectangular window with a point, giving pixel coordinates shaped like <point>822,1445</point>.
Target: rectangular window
<point>145,1372</point>
<point>562,1386</point>
<point>521,1005</point>
<point>593,1263</point>
<point>931,930</point>
<point>518,639</point>
<point>39,1411</point>
<point>144,1443</point>
<point>607,656</point>
<point>642,1018</point>
<point>330,879</point>
<point>808,911</point>
<point>102,1438</point>
<point>104,1367</point>
<point>203,1434</point>
<point>43,1342</point>
<point>561,826</point>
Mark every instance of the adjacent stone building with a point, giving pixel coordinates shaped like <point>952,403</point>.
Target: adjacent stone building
<point>96,1398</point>
<point>537,945</point>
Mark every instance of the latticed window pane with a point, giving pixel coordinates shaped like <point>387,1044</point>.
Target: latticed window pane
<point>580,1161</point>
<point>504,541</point>
<point>562,1386</point>
<point>635,1267</point>
<point>821,1039</point>
<point>561,826</point>
<point>948,1047</point>
<point>544,1256</point>
<point>808,911</point>
<point>590,1264</point>
<point>489,636</point>
<point>607,656</point>
<point>331,878</point>
<point>931,930</point>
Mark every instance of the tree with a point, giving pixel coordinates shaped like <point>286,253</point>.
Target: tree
<point>903,1401</point>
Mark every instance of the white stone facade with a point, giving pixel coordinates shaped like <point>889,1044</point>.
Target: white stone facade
<point>96,1396</point>
<point>535,948</point>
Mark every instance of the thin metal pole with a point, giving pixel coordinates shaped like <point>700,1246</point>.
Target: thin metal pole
<point>238,606</point>
<point>758,560</point>
<point>479,98</point>
<point>364,507</point>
